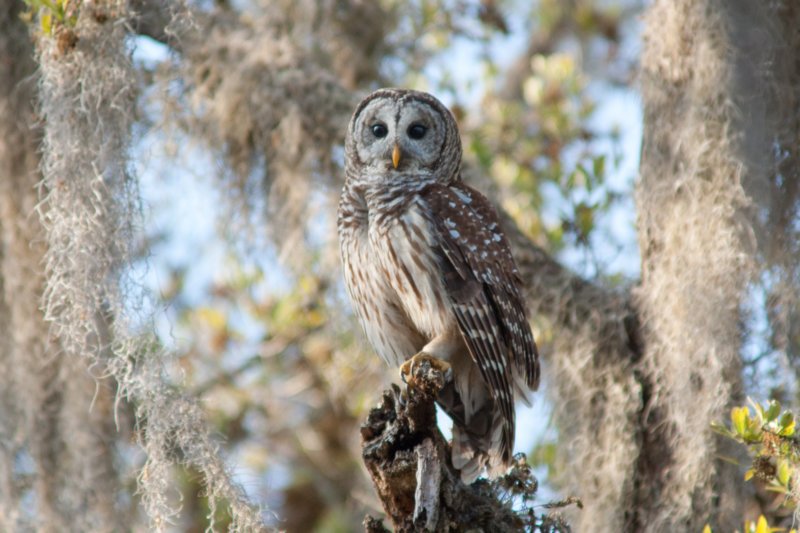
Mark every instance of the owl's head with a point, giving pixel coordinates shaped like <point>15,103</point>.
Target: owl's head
<point>401,135</point>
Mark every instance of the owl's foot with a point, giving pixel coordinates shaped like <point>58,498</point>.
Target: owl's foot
<point>407,368</point>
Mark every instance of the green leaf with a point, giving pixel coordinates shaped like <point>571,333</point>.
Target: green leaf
<point>787,425</point>
<point>47,23</point>
<point>784,472</point>
<point>749,474</point>
<point>754,430</point>
<point>772,411</point>
<point>739,420</point>
<point>759,418</point>
<point>775,487</point>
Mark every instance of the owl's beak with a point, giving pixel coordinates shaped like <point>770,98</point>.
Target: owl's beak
<point>396,155</point>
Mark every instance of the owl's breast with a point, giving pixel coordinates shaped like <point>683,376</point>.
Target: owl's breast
<point>385,323</point>
<point>405,247</point>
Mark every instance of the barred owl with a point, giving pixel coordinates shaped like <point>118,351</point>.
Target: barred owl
<point>430,272</point>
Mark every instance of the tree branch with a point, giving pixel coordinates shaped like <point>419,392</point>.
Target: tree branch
<point>572,303</point>
<point>420,490</point>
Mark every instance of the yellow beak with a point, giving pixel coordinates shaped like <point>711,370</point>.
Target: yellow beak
<point>396,155</point>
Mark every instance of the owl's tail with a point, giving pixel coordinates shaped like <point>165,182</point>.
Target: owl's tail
<point>473,454</point>
<point>482,442</point>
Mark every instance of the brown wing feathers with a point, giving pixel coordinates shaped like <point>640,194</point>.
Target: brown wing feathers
<point>481,280</point>
<point>477,323</point>
<point>506,292</point>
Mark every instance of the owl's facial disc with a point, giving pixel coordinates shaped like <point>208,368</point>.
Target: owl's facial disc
<point>399,137</point>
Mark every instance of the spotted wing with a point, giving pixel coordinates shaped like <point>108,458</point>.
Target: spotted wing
<point>482,283</point>
<point>506,287</point>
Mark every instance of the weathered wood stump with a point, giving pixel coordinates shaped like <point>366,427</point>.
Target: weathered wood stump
<point>409,461</point>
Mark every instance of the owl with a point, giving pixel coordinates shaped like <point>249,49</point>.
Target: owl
<point>430,273</point>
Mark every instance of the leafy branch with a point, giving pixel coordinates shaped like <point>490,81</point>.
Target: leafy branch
<point>769,433</point>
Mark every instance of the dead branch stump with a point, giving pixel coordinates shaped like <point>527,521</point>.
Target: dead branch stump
<point>409,461</point>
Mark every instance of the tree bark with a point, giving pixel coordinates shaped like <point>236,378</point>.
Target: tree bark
<point>409,462</point>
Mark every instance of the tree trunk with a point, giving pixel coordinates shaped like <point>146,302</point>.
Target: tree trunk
<point>706,139</point>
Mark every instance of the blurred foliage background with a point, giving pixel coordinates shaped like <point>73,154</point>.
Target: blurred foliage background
<point>175,168</point>
<point>542,92</point>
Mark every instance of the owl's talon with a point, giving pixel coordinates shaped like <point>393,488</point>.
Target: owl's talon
<point>407,368</point>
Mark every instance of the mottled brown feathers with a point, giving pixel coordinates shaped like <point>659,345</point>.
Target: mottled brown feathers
<point>428,269</point>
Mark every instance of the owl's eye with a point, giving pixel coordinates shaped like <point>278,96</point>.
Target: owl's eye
<point>417,131</point>
<point>379,130</point>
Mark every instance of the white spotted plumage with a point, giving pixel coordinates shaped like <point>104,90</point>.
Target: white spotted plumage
<point>428,269</point>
